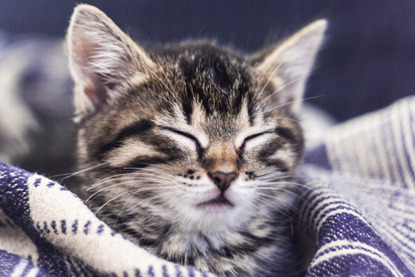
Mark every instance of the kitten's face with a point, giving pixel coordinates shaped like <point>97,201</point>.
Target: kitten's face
<point>205,146</point>
<point>193,133</point>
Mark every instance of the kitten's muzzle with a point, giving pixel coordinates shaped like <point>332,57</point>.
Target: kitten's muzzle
<point>223,180</point>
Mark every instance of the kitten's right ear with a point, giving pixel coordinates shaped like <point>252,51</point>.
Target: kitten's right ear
<point>288,64</point>
<point>102,59</point>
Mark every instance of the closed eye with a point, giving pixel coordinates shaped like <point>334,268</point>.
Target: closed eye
<point>252,137</point>
<point>199,147</point>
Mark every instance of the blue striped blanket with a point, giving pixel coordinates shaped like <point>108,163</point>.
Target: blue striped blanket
<point>358,206</point>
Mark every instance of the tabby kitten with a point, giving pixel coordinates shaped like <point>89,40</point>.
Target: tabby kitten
<point>190,147</point>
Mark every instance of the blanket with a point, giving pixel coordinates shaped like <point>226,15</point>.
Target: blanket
<point>358,206</point>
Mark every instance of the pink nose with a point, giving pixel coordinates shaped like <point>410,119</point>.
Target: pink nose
<point>223,180</point>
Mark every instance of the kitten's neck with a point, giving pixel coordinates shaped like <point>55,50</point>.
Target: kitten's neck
<point>240,249</point>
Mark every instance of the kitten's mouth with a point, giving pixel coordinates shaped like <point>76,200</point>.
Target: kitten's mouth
<point>218,202</point>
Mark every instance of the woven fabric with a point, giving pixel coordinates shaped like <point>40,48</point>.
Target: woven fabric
<point>357,206</point>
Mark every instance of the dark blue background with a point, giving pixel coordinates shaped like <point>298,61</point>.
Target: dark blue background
<point>367,63</point>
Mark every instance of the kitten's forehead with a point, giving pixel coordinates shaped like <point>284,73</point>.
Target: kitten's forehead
<point>217,83</point>
<point>220,124</point>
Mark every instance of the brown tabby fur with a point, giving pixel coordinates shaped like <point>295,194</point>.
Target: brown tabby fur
<point>154,127</point>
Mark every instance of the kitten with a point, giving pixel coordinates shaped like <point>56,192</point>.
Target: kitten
<point>191,147</point>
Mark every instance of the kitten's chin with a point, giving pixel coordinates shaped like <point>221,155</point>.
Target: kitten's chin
<point>219,205</point>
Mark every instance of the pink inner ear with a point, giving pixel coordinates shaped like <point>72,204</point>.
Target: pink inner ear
<point>90,91</point>
<point>97,91</point>
<point>96,87</point>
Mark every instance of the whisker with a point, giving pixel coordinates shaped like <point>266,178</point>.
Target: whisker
<point>143,201</point>
<point>112,199</point>
<point>273,72</point>
<point>120,195</point>
<point>69,175</point>
<point>134,181</point>
<point>138,176</point>
<point>271,177</point>
<point>294,193</point>
<point>289,183</point>
<point>276,205</point>
<point>260,104</point>
<point>153,166</point>
<point>302,78</point>
<point>108,179</point>
<point>291,102</point>
<point>98,191</point>
<point>166,173</point>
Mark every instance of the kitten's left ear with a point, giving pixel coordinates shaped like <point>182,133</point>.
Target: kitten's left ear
<point>103,60</point>
<point>289,64</point>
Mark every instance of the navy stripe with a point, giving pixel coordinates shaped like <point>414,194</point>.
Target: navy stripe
<point>100,229</point>
<point>53,225</point>
<point>37,182</point>
<point>150,271</point>
<point>86,227</point>
<point>190,271</point>
<point>75,227</point>
<point>63,226</point>
<point>45,227</point>
<point>178,272</point>
<point>164,269</point>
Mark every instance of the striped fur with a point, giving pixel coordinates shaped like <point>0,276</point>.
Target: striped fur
<point>154,127</point>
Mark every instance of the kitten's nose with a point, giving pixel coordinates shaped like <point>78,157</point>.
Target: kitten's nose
<point>222,180</point>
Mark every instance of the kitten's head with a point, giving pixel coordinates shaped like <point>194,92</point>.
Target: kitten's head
<point>195,133</point>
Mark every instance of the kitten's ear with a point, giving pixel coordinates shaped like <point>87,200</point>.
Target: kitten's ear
<point>288,64</point>
<point>102,59</point>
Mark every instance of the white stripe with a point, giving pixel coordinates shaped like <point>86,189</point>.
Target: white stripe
<point>316,210</point>
<point>362,163</point>
<point>341,145</point>
<point>333,205</point>
<point>403,214</point>
<point>369,161</point>
<point>400,161</point>
<point>401,249</point>
<point>393,217</point>
<point>373,196</point>
<point>336,212</point>
<point>409,145</point>
<point>364,249</point>
<point>387,138</point>
<point>347,142</point>
<point>378,152</point>
<point>335,139</point>
<point>18,270</point>
<point>357,146</point>
<point>323,193</point>
<point>332,149</point>
<point>380,149</point>
<point>307,204</point>
<point>33,272</point>
<point>401,236</point>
